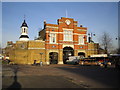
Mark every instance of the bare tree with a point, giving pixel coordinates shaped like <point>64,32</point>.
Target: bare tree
<point>106,42</point>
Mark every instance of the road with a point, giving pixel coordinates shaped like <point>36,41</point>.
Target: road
<point>60,76</point>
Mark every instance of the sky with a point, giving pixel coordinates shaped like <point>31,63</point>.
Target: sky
<point>98,17</point>
<point>0,24</point>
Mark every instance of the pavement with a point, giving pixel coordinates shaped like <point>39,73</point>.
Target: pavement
<point>59,76</point>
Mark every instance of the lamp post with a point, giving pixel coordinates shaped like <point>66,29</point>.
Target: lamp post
<point>86,45</point>
<point>41,59</point>
<point>118,38</point>
<point>90,37</point>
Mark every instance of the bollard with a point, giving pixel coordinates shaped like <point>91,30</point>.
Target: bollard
<point>41,63</point>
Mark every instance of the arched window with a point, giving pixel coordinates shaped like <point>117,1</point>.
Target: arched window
<point>24,30</point>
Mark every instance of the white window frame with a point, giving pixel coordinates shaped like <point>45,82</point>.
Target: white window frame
<point>81,39</point>
<point>52,35</point>
<point>68,35</point>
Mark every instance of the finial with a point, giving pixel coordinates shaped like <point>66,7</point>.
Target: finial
<point>44,21</point>
<point>81,25</point>
<point>24,16</point>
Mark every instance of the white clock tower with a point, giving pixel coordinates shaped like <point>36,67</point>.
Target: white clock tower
<point>24,32</point>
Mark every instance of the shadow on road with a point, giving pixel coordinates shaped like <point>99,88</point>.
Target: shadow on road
<point>15,84</point>
<point>106,76</point>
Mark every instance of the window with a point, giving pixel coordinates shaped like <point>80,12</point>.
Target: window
<point>68,35</point>
<point>24,30</point>
<point>81,39</point>
<point>52,38</point>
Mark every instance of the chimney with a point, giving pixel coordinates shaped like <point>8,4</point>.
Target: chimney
<point>44,24</point>
<point>81,25</point>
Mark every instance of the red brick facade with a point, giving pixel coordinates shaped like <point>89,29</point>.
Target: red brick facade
<point>66,33</point>
<point>59,31</point>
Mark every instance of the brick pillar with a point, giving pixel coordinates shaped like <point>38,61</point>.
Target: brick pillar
<point>86,53</point>
<point>47,57</point>
<point>75,53</point>
<point>60,57</point>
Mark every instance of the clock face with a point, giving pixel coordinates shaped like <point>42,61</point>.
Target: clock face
<point>68,22</point>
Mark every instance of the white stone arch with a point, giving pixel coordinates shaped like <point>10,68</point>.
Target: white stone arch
<point>72,46</point>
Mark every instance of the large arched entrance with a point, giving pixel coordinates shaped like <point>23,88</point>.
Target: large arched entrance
<point>81,54</point>
<point>53,57</point>
<point>67,52</point>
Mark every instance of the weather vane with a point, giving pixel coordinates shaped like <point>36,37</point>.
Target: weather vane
<point>24,16</point>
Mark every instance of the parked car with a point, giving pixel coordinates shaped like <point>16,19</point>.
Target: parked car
<point>88,61</point>
<point>73,60</point>
<point>115,60</point>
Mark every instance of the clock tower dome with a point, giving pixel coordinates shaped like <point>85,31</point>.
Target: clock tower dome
<point>24,32</point>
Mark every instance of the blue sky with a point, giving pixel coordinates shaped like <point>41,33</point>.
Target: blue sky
<point>96,16</point>
<point>0,23</point>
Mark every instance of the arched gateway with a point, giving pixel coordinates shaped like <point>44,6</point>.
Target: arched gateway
<point>53,57</point>
<point>81,54</point>
<point>67,51</point>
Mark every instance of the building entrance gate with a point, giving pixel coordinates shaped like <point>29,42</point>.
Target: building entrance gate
<point>67,52</point>
<point>53,57</point>
<point>81,54</point>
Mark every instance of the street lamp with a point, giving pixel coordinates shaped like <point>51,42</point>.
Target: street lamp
<point>90,40</point>
<point>41,57</point>
<point>118,38</point>
<point>90,37</point>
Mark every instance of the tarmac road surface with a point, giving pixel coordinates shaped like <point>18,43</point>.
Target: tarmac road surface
<point>59,76</point>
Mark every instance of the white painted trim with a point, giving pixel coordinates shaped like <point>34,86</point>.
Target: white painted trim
<point>68,45</point>
<point>75,23</point>
<point>67,29</point>
<point>52,27</point>
<point>93,49</point>
<point>24,34</point>
<point>54,49</point>
<point>78,34</point>
<point>81,29</point>
<point>38,40</point>
<point>53,32</point>
<point>60,22</point>
<point>24,39</point>
<point>51,43</point>
<point>81,51</point>
<point>36,48</point>
<point>63,33</point>
<point>81,44</point>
